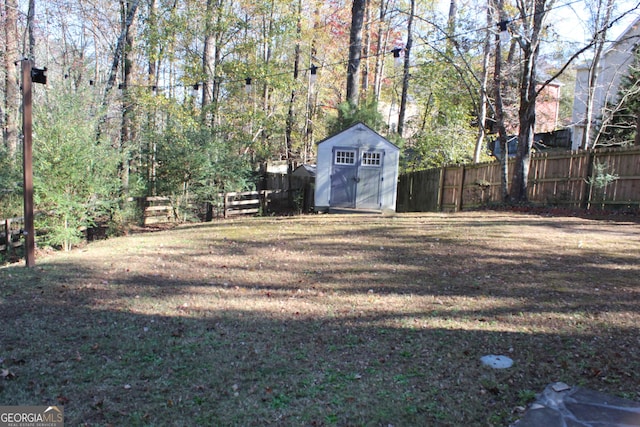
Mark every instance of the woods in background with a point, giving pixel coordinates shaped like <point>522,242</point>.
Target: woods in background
<point>188,98</point>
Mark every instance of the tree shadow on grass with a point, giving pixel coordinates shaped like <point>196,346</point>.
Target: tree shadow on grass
<point>377,325</point>
<point>114,359</point>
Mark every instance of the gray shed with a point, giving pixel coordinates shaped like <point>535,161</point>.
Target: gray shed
<point>358,169</point>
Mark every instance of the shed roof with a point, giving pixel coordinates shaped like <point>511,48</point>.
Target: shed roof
<point>305,171</point>
<point>359,126</point>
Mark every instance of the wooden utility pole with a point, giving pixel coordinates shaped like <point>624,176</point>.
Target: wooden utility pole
<point>27,163</point>
<point>29,75</point>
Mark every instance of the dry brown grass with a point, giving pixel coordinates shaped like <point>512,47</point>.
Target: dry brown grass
<point>325,320</point>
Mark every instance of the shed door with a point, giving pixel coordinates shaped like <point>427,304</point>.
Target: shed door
<point>369,179</point>
<point>344,178</point>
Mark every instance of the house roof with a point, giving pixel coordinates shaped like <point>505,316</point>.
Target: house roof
<point>613,46</point>
<point>634,26</point>
<point>305,170</point>
<point>354,126</point>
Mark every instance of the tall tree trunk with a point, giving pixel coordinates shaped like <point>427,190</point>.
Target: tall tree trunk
<point>152,80</point>
<point>267,89</point>
<point>365,47</point>
<point>153,54</point>
<point>126,131</point>
<point>292,100</point>
<point>405,72</point>
<point>599,42</point>
<point>499,106</point>
<point>527,112</point>
<point>120,46</point>
<point>355,51</point>
<point>11,102</point>
<point>451,27</point>
<point>31,13</point>
<point>484,100</point>
<point>380,45</point>
<point>311,94</point>
<point>210,61</point>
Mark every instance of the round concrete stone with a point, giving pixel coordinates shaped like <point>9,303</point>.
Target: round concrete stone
<point>497,361</point>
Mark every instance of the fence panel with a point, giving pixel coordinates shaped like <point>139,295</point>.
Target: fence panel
<point>558,178</point>
<point>624,191</point>
<point>405,194</point>
<point>451,188</point>
<point>555,178</point>
<point>419,191</point>
<point>481,185</point>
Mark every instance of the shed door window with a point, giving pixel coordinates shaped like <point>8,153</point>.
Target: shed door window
<point>345,157</point>
<point>372,158</point>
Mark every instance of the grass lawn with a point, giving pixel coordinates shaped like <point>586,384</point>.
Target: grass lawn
<point>325,320</point>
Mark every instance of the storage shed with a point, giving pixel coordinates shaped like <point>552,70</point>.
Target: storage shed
<point>358,169</point>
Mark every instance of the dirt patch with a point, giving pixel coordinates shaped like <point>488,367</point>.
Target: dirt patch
<point>325,320</point>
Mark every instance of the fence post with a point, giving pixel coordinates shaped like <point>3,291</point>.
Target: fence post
<point>461,189</point>
<point>262,197</point>
<point>440,189</point>
<point>224,205</point>
<point>7,235</point>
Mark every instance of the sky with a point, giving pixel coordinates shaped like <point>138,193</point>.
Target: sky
<point>573,14</point>
<point>568,17</point>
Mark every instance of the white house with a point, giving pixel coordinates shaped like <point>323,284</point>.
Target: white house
<point>614,64</point>
<point>356,168</point>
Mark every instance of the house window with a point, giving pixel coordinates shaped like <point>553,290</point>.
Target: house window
<point>345,157</point>
<point>371,158</point>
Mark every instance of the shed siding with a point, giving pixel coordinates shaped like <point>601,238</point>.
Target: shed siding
<point>363,139</point>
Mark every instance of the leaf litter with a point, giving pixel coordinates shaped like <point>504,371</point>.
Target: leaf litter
<point>325,319</point>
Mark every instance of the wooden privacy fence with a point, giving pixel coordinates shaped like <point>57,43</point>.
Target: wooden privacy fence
<point>569,179</point>
<point>11,233</point>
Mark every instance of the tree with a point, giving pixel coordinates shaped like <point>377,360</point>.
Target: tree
<point>383,32</point>
<point>75,179</point>
<point>532,15</point>
<point>292,102</point>
<point>600,20</point>
<point>30,48</point>
<point>211,55</point>
<point>195,163</point>
<point>127,127</point>
<point>128,16</point>
<point>498,9</point>
<point>367,112</point>
<point>405,70</point>
<point>483,90</point>
<point>11,101</point>
<point>355,51</point>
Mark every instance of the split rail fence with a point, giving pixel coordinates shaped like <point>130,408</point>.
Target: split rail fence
<point>567,179</point>
<point>158,209</point>
<point>243,203</point>
<point>11,234</point>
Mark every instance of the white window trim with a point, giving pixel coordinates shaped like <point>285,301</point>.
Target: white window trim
<point>366,164</point>
<point>343,152</point>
